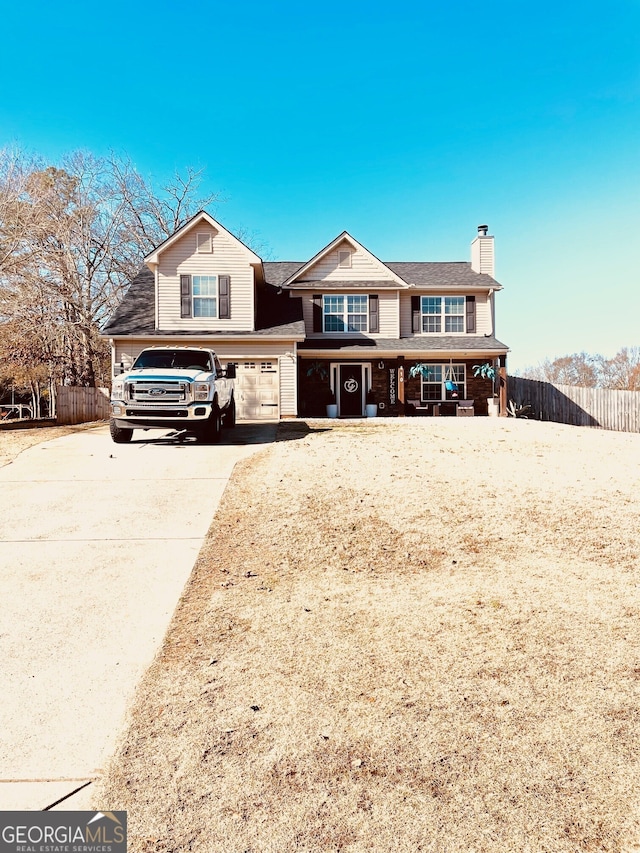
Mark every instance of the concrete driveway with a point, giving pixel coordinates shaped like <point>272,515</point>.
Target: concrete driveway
<point>96,543</point>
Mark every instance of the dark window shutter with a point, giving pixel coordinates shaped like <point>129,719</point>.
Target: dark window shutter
<point>415,314</point>
<point>317,312</point>
<point>374,323</point>
<point>185,295</point>
<point>471,313</point>
<point>224,297</point>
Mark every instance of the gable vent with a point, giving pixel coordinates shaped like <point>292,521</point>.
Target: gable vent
<point>344,258</point>
<point>204,243</point>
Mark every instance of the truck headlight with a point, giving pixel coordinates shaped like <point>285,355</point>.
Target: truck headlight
<point>117,390</point>
<point>201,391</point>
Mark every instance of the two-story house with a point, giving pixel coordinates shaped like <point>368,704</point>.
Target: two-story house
<point>342,322</point>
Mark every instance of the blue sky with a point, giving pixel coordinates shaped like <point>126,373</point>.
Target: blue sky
<point>406,124</point>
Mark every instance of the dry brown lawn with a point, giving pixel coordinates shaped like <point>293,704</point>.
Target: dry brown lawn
<point>417,635</point>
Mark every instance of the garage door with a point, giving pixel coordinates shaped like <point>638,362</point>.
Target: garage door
<point>257,390</point>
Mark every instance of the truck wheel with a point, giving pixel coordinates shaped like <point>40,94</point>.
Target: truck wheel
<point>118,434</point>
<point>230,415</point>
<point>211,430</point>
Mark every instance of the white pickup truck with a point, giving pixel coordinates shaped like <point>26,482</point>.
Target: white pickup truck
<point>181,388</point>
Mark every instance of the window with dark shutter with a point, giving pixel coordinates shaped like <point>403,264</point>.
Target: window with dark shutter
<point>185,296</point>
<point>415,315</point>
<point>374,323</point>
<point>471,314</point>
<point>224,294</point>
<point>317,312</point>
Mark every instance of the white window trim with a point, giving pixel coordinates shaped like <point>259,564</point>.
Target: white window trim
<point>445,367</point>
<point>442,314</point>
<point>194,297</point>
<point>345,314</point>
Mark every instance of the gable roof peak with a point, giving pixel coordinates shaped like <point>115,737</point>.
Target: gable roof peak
<point>198,218</point>
<point>330,247</point>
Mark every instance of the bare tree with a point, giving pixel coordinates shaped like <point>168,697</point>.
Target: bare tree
<point>577,369</point>
<point>71,239</point>
<point>622,371</point>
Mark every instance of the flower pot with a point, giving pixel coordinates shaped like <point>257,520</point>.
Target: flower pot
<point>493,406</point>
<point>332,410</point>
<point>371,410</point>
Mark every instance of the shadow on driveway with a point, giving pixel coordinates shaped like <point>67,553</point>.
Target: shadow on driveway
<point>242,434</point>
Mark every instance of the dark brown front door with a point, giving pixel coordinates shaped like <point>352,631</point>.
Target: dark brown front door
<point>351,391</point>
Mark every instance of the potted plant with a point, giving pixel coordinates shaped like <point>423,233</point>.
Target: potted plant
<point>488,371</point>
<point>422,370</point>
<point>371,406</point>
<point>332,406</point>
<point>323,393</point>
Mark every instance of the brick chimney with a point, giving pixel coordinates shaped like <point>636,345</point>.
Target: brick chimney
<point>482,252</point>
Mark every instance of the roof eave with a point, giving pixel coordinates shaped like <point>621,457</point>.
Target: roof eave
<point>330,247</point>
<point>153,258</point>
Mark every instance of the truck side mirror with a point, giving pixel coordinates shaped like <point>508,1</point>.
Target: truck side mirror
<point>231,371</point>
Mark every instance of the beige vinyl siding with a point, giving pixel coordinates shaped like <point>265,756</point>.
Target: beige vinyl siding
<point>388,312</point>
<point>483,312</point>
<point>482,255</point>
<point>307,313</point>
<point>288,387</point>
<point>363,267</point>
<point>486,257</point>
<point>227,258</point>
<point>126,351</point>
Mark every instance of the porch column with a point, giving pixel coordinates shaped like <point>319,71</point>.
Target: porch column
<point>400,363</point>
<point>502,376</point>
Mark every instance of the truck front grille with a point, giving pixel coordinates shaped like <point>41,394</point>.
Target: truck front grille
<point>158,393</point>
<point>157,413</point>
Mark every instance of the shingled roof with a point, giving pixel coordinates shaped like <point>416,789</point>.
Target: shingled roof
<point>135,314</point>
<point>437,343</point>
<point>441,274</point>
<point>277,313</point>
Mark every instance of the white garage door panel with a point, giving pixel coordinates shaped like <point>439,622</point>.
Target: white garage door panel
<point>257,390</point>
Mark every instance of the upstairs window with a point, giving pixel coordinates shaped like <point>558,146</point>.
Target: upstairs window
<point>345,313</point>
<point>443,314</point>
<point>205,295</point>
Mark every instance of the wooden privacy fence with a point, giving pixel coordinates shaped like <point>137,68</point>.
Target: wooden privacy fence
<point>566,404</point>
<point>78,405</point>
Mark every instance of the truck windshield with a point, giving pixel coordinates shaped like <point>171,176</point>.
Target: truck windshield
<point>167,358</point>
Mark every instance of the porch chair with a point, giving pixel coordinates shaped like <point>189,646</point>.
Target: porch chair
<point>465,409</point>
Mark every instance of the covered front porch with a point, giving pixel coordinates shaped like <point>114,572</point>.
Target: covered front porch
<point>354,383</point>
